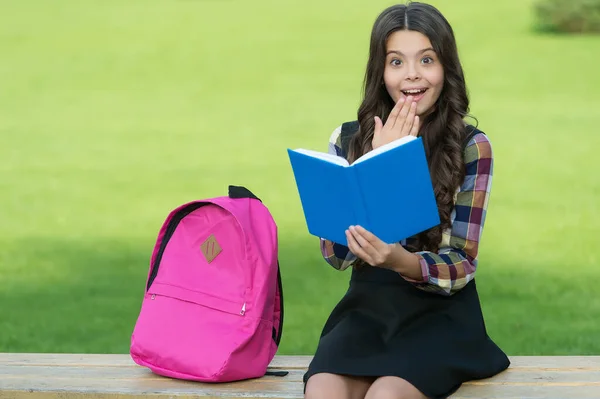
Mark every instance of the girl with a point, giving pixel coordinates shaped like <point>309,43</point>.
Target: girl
<point>410,324</point>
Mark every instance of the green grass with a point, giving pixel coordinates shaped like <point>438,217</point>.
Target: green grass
<point>112,113</point>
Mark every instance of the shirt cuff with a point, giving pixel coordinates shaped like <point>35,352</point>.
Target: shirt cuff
<point>424,271</point>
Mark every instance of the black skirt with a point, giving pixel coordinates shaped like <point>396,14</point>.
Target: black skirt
<point>384,326</point>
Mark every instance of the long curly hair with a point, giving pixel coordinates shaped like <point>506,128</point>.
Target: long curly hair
<point>443,129</point>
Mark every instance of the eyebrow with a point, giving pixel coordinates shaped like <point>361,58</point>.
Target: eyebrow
<point>418,52</point>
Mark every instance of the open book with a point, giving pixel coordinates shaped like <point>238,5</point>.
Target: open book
<point>387,191</point>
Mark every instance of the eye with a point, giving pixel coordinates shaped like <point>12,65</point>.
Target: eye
<point>396,62</point>
<point>427,60</point>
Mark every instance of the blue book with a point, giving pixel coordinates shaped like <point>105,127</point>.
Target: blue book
<point>388,191</point>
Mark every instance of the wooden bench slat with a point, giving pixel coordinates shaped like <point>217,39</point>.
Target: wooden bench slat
<point>112,360</point>
<point>118,373</point>
<point>143,387</point>
<point>559,362</point>
<point>65,359</point>
<point>102,395</point>
<point>527,392</point>
<point>79,376</point>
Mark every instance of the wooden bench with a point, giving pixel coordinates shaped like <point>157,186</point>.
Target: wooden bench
<point>69,376</point>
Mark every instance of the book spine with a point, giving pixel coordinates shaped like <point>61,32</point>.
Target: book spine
<point>357,199</point>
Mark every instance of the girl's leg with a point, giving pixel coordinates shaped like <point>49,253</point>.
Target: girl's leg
<point>335,386</point>
<point>393,388</point>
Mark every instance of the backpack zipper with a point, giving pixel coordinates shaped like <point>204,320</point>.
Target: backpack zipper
<point>242,311</point>
<point>170,230</point>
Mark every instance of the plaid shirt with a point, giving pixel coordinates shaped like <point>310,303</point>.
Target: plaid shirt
<point>454,265</point>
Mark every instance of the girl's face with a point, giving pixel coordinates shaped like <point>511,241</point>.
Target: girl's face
<point>413,68</point>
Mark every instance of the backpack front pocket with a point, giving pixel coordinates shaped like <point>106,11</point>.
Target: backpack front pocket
<point>187,332</point>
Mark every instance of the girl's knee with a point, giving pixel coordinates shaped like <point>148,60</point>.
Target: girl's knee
<point>323,385</point>
<point>334,386</point>
<point>393,388</point>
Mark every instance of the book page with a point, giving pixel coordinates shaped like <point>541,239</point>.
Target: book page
<point>324,156</point>
<point>385,147</point>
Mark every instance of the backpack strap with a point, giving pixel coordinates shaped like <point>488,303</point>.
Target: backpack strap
<point>277,331</point>
<point>471,132</point>
<point>348,130</point>
<point>241,192</point>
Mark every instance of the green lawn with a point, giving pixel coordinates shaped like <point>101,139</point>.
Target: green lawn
<point>114,112</point>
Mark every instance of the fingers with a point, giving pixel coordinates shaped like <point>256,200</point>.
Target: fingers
<point>375,142</point>
<point>361,240</point>
<point>367,236</point>
<point>402,121</point>
<point>405,120</point>
<point>391,120</point>
<point>406,108</point>
<point>414,131</point>
<point>366,245</point>
<point>378,126</point>
<point>410,118</point>
<point>356,249</point>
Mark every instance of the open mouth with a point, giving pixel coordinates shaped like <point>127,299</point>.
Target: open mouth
<point>414,92</point>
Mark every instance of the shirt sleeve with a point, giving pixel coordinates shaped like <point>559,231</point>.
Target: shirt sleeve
<point>454,265</point>
<point>336,255</point>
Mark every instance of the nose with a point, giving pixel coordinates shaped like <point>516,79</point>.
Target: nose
<point>412,73</point>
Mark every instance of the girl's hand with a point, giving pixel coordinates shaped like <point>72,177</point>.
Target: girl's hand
<point>368,247</point>
<point>401,122</point>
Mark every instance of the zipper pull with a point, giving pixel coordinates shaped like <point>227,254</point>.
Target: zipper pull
<point>153,296</point>
<point>243,311</point>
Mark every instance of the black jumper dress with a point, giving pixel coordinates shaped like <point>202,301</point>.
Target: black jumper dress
<point>385,326</point>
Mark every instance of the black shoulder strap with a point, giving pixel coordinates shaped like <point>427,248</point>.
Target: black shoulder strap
<point>241,192</point>
<point>471,132</point>
<point>348,130</point>
<point>279,331</point>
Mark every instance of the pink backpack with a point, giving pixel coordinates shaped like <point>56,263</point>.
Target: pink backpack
<point>213,306</point>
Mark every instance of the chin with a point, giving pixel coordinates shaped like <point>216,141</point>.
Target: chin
<point>422,110</point>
